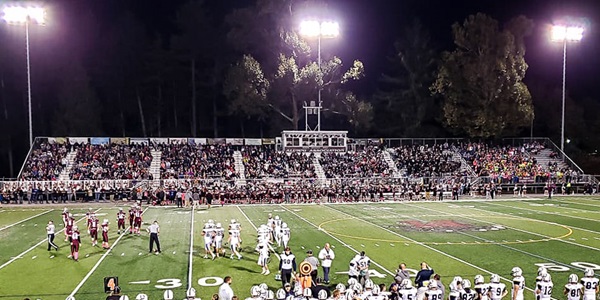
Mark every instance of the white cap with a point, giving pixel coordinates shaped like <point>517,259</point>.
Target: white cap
<point>168,295</point>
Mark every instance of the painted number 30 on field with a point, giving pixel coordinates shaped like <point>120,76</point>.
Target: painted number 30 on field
<point>171,283</point>
<point>564,268</point>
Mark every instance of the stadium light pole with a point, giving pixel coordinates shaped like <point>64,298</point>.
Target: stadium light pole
<point>25,15</point>
<point>320,30</point>
<point>565,34</point>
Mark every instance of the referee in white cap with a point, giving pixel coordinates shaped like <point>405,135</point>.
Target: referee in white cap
<point>154,230</point>
<point>50,228</point>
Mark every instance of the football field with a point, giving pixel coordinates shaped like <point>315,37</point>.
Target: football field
<point>456,238</point>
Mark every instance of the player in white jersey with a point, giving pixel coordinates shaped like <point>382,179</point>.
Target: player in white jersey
<point>433,292</point>
<point>407,290</point>
<point>271,225</point>
<point>544,288</point>
<point>209,234</point>
<point>466,293</point>
<point>218,240</point>
<point>376,294</point>
<point>497,290</point>
<point>518,284</point>
<point>481,287</point>
<point>573,289</point>
<point>235,225</point>
<point>285,234</point>
<point>263,233</point>
<point>590,285</point>
<point>234,240</point>
<point>455,287</point>
<point>277,230</point>
<point>263,257</point>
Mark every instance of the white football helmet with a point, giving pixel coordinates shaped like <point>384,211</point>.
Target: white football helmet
<point>406,284</point>
<point>270,295</point>
<point>70,215</point>
<point>211,221</point>
<point>432,285</point>
<point>357,287</point>
<point>141,297</point>
<point>191,292</point>
<point>322,295</point>
<point>105,221</point>
<point>233,221</point>
<point>352,281</point>
<point>66,210</point>
<point>375,291</point>
<point>218,225</point>
<point>546,277</point>
<point>495,278</point>
<point>542,271</point>
<point>307,293</point>
<point>124,297</point>
<point>290,297</point>
<point>589,272</point>
<point>255,291</point>
<point>341,287</point>
<point>369,284</point>
<point>479,279</point>
<point>466,284</point>
<point>276,217</point>
<point>297,290</point>
<point>284,225</point>
<point>168,295</point>
<point>516,272</point>
<point>573,278</point>
<point>264,287</point>
<point>280,294</point>
<point>349,294</point>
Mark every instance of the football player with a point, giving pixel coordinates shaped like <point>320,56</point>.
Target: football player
<point>277,230</point>
<point>137,220</point>
<point>573,288</point>
<point>540,273</point>
<point>131,218</point>
<point>363,267</point>
<point>234,240</point>
<point>497,290</point>
<point>93,229</point>
<point>208,233</point>
<point>518,284</point>
<point>466,293</point>
<point>120,221</point>
<point>75,241</point>
<point>105,234</point>
<point>455,287</point>
<point>219,234</point>
<point>69,226</point>
<point>407,290</point>
<point>263,257</point>
<point>433,293</point>
<point>285,234</point>
<point>271,225</point>
<point>88,219</point>
<point>65,216</point>
<point>544,288</point>
<point>590,285</point>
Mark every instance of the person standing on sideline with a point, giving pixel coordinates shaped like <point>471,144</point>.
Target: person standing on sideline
<point>154,230</point>
<point>326,256</point>
<point>401,274</point>
<point>424,274</point>
<point>314,263</point>
<point>287,265</point>
<point>225,290</point>
<point>50,228</point>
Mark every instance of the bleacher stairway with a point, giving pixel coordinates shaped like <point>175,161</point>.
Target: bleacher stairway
<point>464,166</point>
<point>543,158</point>
<point>240,169</point>
<point>70,161</point>
<point>392,165</point>
<point>155,168</point>
<point>318,168</point>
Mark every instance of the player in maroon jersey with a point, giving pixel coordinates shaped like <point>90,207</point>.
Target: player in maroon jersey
<point>75,240</point>
<point>105,234</point>
<point>94,229</point>
<point>65,217</point>
<point>69,226</point>
<point>120,221</point>
<point>137,222</point>
<point>88,218</point>
<point>131,217</point>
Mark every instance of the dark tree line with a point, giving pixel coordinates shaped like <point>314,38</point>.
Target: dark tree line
<point>245,72</point>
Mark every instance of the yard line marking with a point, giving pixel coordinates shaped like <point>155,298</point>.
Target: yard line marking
<point>191,257</point>
<point>100,261</point>
<point>423,245</point>
<point>25,220</point>
<point>578,202</point>
<point>501,245</point>
<point>543,221</point>
<point>574,209</point>
<point>340,241</point>
<point>140,282</point>
<point>255,228</point>
<point>34,246</point>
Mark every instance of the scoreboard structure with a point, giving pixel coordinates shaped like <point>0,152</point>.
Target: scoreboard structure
<point>314,140</point>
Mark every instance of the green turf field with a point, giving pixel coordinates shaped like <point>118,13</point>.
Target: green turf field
<point>456,238</point>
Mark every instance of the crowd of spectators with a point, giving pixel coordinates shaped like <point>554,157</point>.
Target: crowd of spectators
<point>45,162</point>
<point>266,162</point>
<point>112,161</point>
<point>196,161</point>
<point>365,162</point>
<point>425,160</point>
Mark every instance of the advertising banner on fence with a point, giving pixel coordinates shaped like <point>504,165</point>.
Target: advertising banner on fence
<point>57,140</point>
<point>217,141</point>
<point>74,140</point>
<point>159,140</point>
<point>181,141</point>
<point>139,141</point>
<point>253,142</point>
<point>235,142</point>
<point>99,140</point>
<point>197,141</point>
<point>120,141</point>
<point>268,141</point>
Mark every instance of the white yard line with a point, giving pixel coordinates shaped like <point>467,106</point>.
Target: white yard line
<point>256,228</point>
<point>499,244</point>
<point>25,220</point>
<point>100,261</point>
<point>579,202</point>
<point>190,260</point>
<point>424,245</point>
<point>34,246</point>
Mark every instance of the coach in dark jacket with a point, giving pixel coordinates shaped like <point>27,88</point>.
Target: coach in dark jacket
<point>423,275</point>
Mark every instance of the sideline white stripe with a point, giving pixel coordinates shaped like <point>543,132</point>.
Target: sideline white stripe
<point>255,228</point>
<point>25,220</point>
<point>424,245</point>
<point>34,246</point>
<point>499,244</point>
<point>100,261</point>
<point>555,213</point>
<point>335,238</point>
<point>190,260</point>
<point>579,202</point>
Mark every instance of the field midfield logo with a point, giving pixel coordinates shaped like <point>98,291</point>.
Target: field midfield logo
<point>564,268</point>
